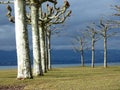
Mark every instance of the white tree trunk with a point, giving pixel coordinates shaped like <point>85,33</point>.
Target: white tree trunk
<point>22,44</point>
<point>49,49</point>
<point>45,50</point>
<point>93,51</point>
<point>105,51</point>
<point>37,69</point>
<point>82,54</point>
<point>42,47</point>
<point>82,58</point>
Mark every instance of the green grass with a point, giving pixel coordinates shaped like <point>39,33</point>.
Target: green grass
<point>72,78</point>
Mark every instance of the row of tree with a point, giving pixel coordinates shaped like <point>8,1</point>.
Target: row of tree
<point>92,34</point>
<point>41,17</point>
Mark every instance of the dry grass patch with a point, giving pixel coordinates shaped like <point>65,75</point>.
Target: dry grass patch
<point>72,78</point>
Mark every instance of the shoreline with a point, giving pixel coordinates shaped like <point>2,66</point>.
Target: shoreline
<point>63,65</point>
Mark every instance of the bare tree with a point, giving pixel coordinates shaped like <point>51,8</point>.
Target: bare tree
<point>80,44</point>
<point>22,44</point>
<point>93,34</point>
<point>115,21</point>
<point>37,68</point>
<point>104,28</point>
<point>34,18</point>
<point>52,15</point>
<point>51,30</point>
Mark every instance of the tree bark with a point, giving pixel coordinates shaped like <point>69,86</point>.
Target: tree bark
<point>37,68</point>
<point>45,49</point>
<point>93,50</point>
<point>82,53</point>
<point>22,43</point>
<point>105,52</point>
<point>42,47</point>
<point>82,58</point>
<point>49,49</point>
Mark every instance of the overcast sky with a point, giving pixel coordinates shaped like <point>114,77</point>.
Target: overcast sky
<point>83,13</point>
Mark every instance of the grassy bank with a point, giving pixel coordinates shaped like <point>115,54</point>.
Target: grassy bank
<point>75,78</point>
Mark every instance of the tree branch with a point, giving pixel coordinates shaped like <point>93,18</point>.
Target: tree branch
<point>55,15</point>
<point>10,17</point>
<point>59,21</point>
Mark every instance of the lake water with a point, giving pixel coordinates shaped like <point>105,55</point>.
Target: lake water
<point>63,58</point>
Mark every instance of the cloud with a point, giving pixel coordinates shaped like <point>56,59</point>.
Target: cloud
<point>7,37</point>
<point>83,13</point>
<point>87,10</point>
<point>3,18</point>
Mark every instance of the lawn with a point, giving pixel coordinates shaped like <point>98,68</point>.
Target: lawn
<point>69,78</point>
